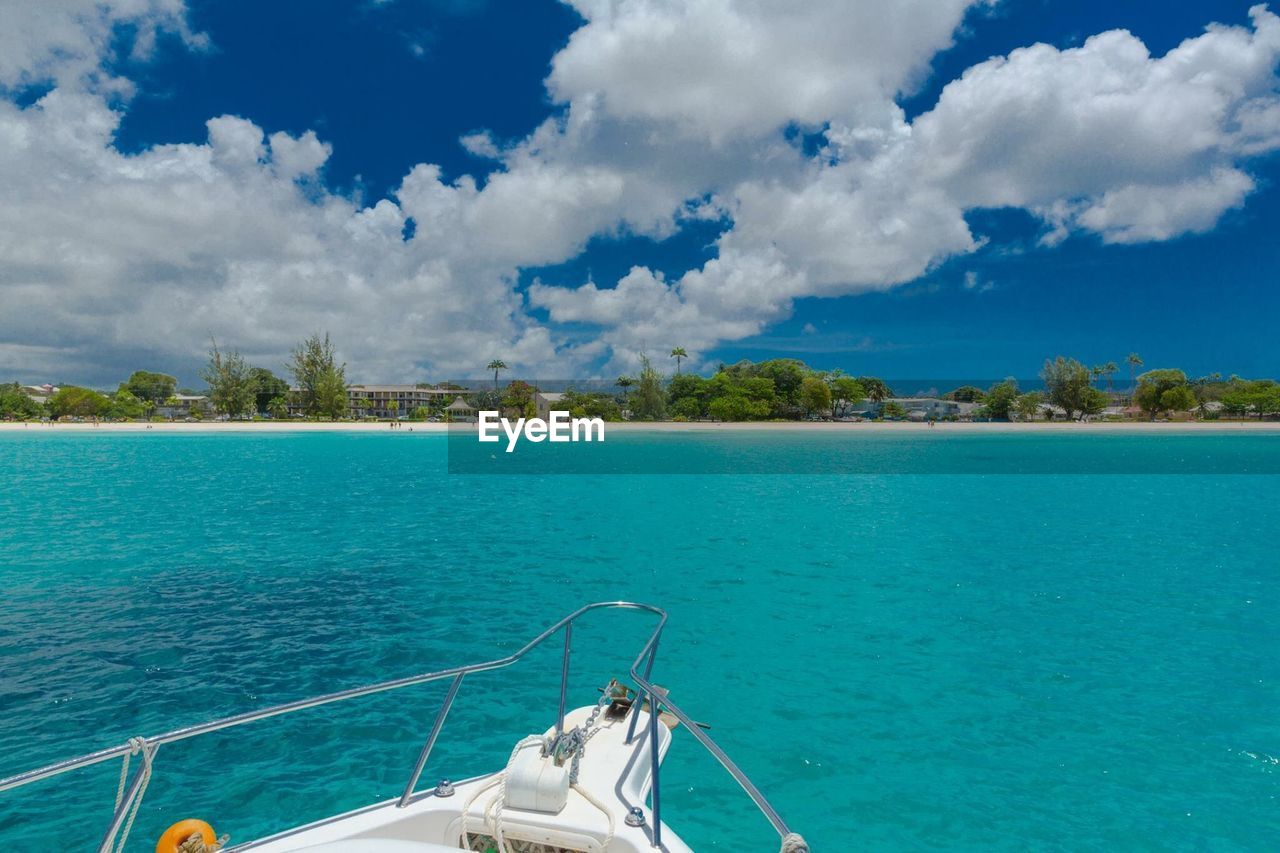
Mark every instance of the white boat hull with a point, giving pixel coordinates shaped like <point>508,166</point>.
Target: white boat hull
<point>616,775</point>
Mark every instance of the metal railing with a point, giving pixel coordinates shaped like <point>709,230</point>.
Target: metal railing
<point>656,698</point>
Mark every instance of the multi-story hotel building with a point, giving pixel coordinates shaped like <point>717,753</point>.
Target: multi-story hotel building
<point>375,401</point>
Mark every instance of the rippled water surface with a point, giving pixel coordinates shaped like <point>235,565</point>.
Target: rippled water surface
<point>967,661</point>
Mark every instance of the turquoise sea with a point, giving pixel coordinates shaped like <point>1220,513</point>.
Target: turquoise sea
<point>961,661</point>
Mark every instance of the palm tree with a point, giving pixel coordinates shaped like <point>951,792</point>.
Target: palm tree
<point>876,389</point>
<point>496,365</point>
<point>1109,370</point>
<point>624,382</point>
<point>1134,361</point>
<point>678,353</point>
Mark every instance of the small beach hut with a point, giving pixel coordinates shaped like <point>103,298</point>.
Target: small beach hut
<point>460,410</point>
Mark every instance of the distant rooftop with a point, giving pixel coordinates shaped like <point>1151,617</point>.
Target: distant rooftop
<point>406,389</point>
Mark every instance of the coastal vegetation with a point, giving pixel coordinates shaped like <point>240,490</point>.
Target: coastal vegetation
<point>1068,385</point>
<point>321,381</point>
<point>232,387</point>
<point>774,389</point>
<point>153,388</point>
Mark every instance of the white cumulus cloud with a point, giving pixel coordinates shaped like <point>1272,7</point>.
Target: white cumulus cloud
<point>66,41</point>
<point>721,67</point>
<point>670,112</point>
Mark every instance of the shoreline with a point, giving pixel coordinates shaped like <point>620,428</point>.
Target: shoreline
<point>826,427</point>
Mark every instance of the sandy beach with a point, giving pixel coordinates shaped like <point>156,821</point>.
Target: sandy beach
<point>407,428</point>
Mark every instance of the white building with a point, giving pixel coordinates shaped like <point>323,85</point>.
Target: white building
<point>376,401</point>
<point>180,405</point>
<point>545,401</point>
<point>40,393</point>
<point>923,408</point>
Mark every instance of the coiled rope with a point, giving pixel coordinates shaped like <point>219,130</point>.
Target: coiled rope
<point>195,844</point>
<point>793,842</point>
<point>565,746</point>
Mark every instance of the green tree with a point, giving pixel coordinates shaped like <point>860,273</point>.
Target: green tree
<point>1207,389</point>
<point>1108,370</point>
<point>125,406</point>
<point>815,395</point>
<point>876,389</point>
<point>1027,406</point>
<point>687,395</point>
<point>152,387</point>
<point>421,413</point>
<point>966,394</point>
<point>266,387</point>
<point>845,391</point>
<point>737,406</point>
<point>685,407</point>
<point>1000,399</point>
<point>71,401</point>
<point>331,395</point>
<point>16,403</point>
<point>519,397</point>
<point>759,399</point>
<point>1068,385</point>
<point>393,409</point>
<point>893,411</point>
<point>1155,384</point>
<point>649,402</point>
<point>278,408</point>
<point>231,385</point>
<point>678,353</point>
<point>625,383</point>
<point>496,365</point>
<point>1134,361</point>
<point>593,405</point>
<point>1180,399</point>
<point>788,375</point>
<point>321,381</point>
<point>1258,397</point>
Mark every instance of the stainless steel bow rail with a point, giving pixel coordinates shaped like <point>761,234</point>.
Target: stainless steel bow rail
<point>644,661</point>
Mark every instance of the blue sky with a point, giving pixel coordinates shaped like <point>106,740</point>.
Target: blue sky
<point>389,86</point>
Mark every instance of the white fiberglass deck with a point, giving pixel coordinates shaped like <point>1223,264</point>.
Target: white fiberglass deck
<point>615,774</point>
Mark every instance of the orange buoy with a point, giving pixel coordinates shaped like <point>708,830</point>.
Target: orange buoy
<point>175,836</point>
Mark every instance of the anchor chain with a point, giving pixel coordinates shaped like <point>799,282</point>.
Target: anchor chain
<point>570,745</point>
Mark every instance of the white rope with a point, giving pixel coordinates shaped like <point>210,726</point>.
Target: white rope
<point>500,800</point>
<point>139,745</point>
<point>563,746</point>
<point>124,776</point>
<point>608,839</point>
<point>492,815</point>
<point>467,807</point>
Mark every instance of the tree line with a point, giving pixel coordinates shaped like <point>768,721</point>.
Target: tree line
<point>775,389</point>
<point>788,389</point>
<point>235,389</point>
